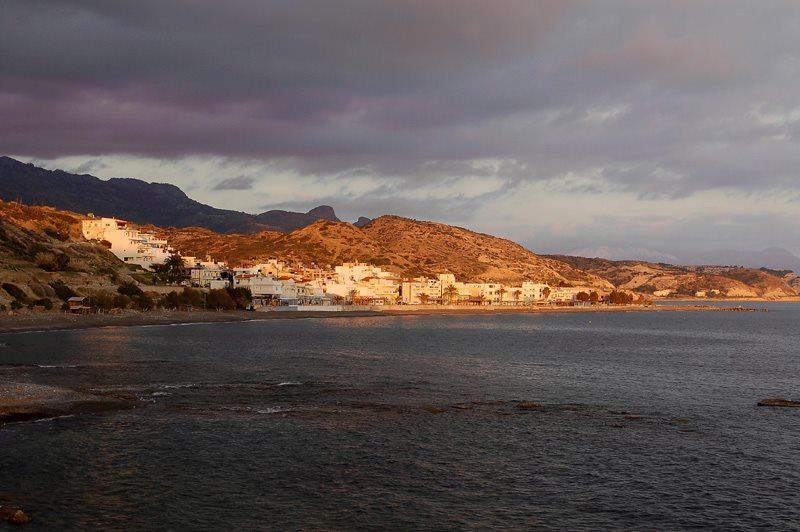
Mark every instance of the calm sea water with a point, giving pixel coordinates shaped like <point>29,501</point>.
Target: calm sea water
<point>649,422</point>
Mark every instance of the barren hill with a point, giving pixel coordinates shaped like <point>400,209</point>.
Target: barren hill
<point>647,277</point>
<point>401,245</point>
<point>41,247</point>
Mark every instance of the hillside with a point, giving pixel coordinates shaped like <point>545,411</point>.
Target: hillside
<point>41,248</point>
<point>138,201</point>
<point>647,277</point>
<point>404,246</point>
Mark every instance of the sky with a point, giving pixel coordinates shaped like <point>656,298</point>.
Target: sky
<point>658,128</point>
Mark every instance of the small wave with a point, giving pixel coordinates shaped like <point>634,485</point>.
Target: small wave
<point>271,410</point>
<point>159,394</point>
<point>45,419</point>
<point>177,386</point>
<point>290,383</point>
<point>51,366</point>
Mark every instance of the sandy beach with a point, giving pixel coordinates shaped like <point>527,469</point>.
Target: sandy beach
<point>56,320</point>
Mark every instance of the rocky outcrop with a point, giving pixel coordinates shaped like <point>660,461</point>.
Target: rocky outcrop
<point>14,515</point>
<point>26,402</point>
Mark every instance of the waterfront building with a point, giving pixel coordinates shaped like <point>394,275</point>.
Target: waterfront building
<point>127,242</point>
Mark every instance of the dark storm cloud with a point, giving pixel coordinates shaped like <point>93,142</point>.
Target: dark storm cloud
<point>241,182</point>
<point>662,99</point>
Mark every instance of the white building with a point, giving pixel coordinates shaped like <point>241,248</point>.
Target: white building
<point>127,242</point>
<point>364,281</point>
<point>421,290</point>
<point>532,292</point>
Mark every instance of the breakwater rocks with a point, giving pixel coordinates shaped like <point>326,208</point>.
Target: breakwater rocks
<point>14,515</point>
<point>28,402</point>
<point>779,402</point>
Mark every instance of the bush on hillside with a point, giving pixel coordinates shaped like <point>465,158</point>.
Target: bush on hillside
<point>220,300</point>
<point>129,289</point>
<point>63,291</point>
<point>15,291</point>
<point>52,262</point>
<point>241,296</point>
<point>144,302</point>
<point>44,302</point>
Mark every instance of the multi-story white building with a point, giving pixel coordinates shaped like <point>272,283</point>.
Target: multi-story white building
<point>421,290</point>
<point>365,281</point>
<point>127,242</point>
<point>532,292</point>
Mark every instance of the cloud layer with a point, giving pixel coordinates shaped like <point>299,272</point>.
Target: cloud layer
<point>455,103</point>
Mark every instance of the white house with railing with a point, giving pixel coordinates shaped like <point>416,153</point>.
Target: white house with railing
<point>127,242</point>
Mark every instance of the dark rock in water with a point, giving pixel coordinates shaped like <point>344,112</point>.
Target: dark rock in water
<point>14,515</point>
<point>435,409</point>
<point>779,402</point>
<point>632,417</point>
<point>528,405</point>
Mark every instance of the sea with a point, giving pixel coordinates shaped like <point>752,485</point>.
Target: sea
<point>574,421</point>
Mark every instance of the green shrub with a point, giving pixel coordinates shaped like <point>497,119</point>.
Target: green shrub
<point>192,296</point>
<point>52,262</point>
<point>16,305</point>
<point>220,300</point>
<point>103,300</point>
<point>44,302</point>
<point>171,300</point>
<point>63,291</point>
<point>121,301</point>
<point>241,296</point>
<point>15,291</point>
<point>129,289</point>
<point>144,302</point>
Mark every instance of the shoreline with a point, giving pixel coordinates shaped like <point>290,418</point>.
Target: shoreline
<point>55,321</point>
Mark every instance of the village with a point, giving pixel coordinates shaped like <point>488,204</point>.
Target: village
<point>276,285</point>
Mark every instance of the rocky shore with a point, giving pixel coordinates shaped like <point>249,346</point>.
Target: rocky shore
<point>28,402</point>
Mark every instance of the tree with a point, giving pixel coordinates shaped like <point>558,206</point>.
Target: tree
<point>594,297</point>
<point>450,293</point>
<point>516,295</point>
<point>172,300</point>
<point>546,292</point>
<point>501,292</point>
<point>172,271</point>
<point>241,296</point>
<point>618,297</point>
<point>351,296</point>
<point>424,298</point>
<point>582,296</point>
<point>220,299</point>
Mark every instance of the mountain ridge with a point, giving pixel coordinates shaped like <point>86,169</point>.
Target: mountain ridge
<point>138,201</point>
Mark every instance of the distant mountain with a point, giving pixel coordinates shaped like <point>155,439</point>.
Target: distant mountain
<point>362,221</point>
<point>138,201</point>
<point>628,253</point>
<point>774,258</point>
